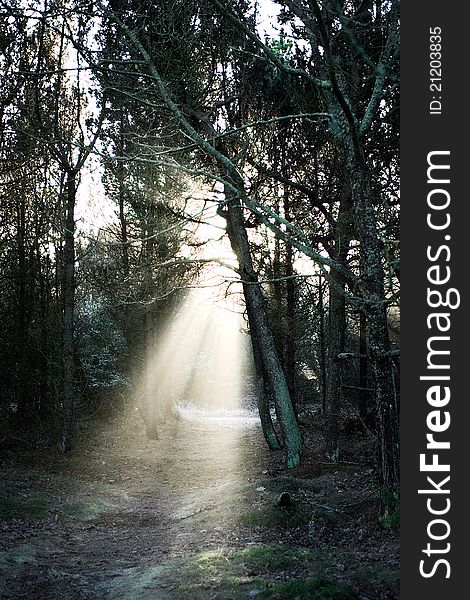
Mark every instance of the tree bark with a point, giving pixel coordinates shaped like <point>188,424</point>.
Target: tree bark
<point>275,381</point>
<point>21,343</point>
<point>289,349</point>
<point>337,328</point>
<point>322,343</point>
<point>337,320</point>
<point>363,394</point>
<point>154,412</point>
<point>378,335</point>
<point>122,198</point>
<point>68,293</point>
<point>263,400</point>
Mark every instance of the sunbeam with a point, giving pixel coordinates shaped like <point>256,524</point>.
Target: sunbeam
<point>199,361</point>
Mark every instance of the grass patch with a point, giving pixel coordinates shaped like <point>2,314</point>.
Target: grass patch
<point>274,557</point>
<point>310,588</point>
<point>86,510</point>
<point>29,497</point>
<point>234,574</point>
<point>207,564</point>
<point>25,508</point>
<point>12,559</point>
<point>16,556</point>
<point>377,579</point>
<point>262,558</point>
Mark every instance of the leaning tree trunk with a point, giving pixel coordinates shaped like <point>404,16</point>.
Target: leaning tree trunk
<point>275,381</point>
<point>263,400</point>
<point>68,294</point>
<point>378,335</point>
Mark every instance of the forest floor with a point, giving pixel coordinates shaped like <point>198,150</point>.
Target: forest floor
<point>192,515</point>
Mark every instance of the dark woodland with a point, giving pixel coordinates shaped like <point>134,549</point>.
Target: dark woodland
<point>199,299</point>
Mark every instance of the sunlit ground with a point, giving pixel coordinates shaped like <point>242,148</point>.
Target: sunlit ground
<point>234,418</point>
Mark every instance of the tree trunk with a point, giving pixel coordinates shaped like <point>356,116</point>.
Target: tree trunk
<point>21,386</point>
<point>45,392</point>
<point>363,393</point>
<point>123,224</point>
<point>322,343</point>
<point>275,381</point>
<point>68,293</point>
<point>337,328</point>
<point>290,329</point>
<point>263,400</point>
<point>337,321</point>
<point>154,412</point>
<point>121,172</point>
<point>378,335</point>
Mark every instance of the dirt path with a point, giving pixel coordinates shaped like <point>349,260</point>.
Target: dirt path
<point>191,515</point>
<point>125,504</point>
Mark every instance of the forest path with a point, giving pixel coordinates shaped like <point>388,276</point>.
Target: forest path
<point>193,515</point>
<point>119,505</point>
